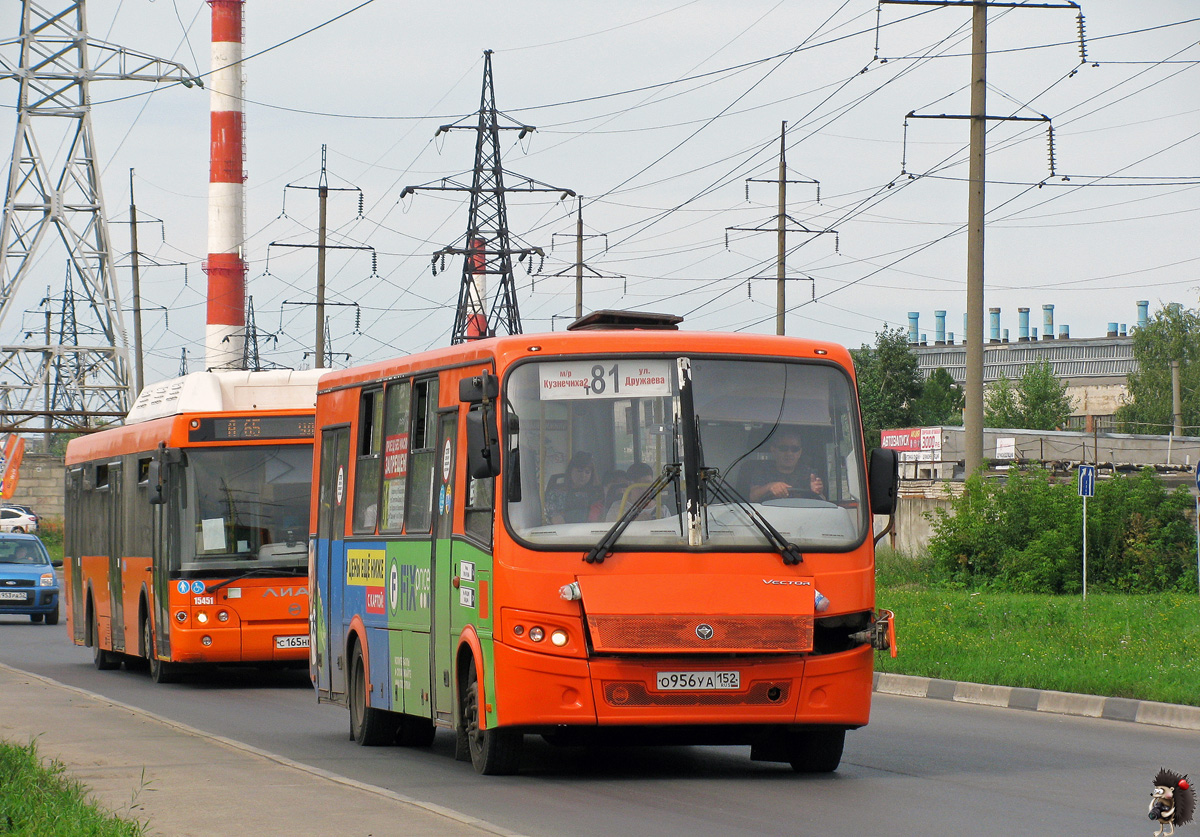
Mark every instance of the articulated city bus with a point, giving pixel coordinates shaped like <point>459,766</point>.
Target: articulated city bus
<point>186,526</point>
<point>609,534</point>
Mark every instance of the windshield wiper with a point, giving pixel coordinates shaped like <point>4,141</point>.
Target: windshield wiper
<point>603,547</point>
<point>256,571</point>
<point>725,492</point>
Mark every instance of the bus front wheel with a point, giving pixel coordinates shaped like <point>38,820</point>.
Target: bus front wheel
<point>369,727</point>
<point>494,752</point>
<point>160,672</point>
<point>819,751</point>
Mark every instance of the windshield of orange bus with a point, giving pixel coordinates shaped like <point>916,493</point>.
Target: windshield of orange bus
<point>778,438</point>
<point>247,504</point>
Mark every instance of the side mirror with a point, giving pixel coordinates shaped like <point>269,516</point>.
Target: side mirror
<point>483,446</point>
<point>477,388</point>
<point>154,478</point>
<point>883,480</point>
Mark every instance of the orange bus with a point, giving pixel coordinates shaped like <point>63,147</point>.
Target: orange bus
<point>621,532</point>
<point>185,528</point>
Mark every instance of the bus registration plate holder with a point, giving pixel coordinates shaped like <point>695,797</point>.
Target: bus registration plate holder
<point>292,641</point>
<point>670,681</point>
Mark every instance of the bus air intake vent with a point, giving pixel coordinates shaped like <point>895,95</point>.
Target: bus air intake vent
<point>633,693</point>
<point>615,320</point>
<point>653,634</point>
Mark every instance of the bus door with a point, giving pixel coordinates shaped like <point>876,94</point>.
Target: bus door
<point>441,657</point>
<point>115,546</point>
<point>329,639</point>
<point>74,540</point>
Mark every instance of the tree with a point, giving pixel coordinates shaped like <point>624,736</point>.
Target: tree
<point>1173,333</point>
<point>1045,404</point>
<point>1036,401</point>
<point>941,400</point>
<point>889,383</point>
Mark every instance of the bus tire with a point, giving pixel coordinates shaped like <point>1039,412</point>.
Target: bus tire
<point>818,751</point>
<point>104,660</point>
<point>494,752</point>
<point>160,671</point>
<point>369,727</point>
<point>415,732</point>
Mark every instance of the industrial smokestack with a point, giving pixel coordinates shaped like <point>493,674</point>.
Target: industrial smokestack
<point>913,318</point>
<point>939,330</point>
<point>1143,306</point>
<point>994,318</point>
<point>1047,322</point>
<point>1023,325</point>
<point>224,336</point>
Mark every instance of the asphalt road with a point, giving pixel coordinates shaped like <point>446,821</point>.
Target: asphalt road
<point>922,767</point>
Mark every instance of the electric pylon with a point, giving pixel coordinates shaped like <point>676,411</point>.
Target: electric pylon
<point>487,249</point>
<point>54,63</point>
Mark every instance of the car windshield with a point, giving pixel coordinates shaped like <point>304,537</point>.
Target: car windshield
<point>771,439</point>
<point>22,552</point>
<point>250,504</point>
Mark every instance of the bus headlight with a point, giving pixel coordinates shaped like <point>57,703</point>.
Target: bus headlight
<point>181,616</point>
<point>537,634</point>
<point>223,616</point>
<point>202,617</point>
<point>206,640</point>
<point>558,638</point>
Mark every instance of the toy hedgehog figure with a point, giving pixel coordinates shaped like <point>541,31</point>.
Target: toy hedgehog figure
<point>1172,803</point>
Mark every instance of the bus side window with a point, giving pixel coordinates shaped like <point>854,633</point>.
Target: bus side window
<point>395,456</point>
<point>480,498</point>
<point>423,447</point>
<point>367,466</point>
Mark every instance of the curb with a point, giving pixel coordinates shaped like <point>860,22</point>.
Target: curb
<point>284,761</point>
<point>1041,700</point>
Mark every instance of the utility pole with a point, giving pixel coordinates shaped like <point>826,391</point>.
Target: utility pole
<point>322,246</point>
<point>976,206</point>
<point>487,249</point>
<point>139,378</point>
<point>579,267</point>
<point>1176,399</point>
<point>781,228</point>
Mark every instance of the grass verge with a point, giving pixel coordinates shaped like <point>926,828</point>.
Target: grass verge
<point>1133,646</point>
<point>38,799</point>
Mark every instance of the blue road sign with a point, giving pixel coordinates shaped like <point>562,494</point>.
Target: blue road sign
<point>1087,480</point>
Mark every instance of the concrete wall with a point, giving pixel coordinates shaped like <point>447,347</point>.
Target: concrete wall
<point>912,531</point>
<point>41,484</point>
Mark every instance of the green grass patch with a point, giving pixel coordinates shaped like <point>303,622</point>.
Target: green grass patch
<point>1134,646</point>
<point>51,533</point>
<point>38,799</point>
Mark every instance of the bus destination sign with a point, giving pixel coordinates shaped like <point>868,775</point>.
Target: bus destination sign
<point>250,428</point>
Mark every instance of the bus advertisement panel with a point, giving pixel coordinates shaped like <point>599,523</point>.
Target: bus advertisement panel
<point>185,529</point>
<point>643,536</point>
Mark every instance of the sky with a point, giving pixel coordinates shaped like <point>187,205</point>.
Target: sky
<point>665,116</point>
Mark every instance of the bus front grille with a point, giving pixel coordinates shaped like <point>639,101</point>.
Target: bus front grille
<point>640,634</point>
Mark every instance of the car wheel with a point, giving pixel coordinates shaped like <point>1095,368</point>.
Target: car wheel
<point>104,660</point>
<point>18,529</point>
<point>368,726</point>
<point>52,616</point>
<point>494,752</point>
<point>36,617</point>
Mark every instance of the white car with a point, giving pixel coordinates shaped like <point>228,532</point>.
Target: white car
<point>15,520</point>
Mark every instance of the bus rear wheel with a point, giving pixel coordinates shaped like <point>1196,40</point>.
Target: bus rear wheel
<point>104,660</point>
<point>160,672</point>
<point>819,751</point>
<point>369,727</point>
<point>494,752</point>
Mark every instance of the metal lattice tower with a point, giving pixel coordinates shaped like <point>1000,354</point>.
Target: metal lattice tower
<point>53,191</point>
<point>487,249</point>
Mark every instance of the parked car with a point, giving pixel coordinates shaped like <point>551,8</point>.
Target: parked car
<point>13,519</point>
<point>28,582</point>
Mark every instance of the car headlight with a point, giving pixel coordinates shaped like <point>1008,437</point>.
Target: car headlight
<point>47,579</point>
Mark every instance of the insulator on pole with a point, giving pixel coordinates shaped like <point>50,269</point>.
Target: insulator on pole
<point>1050,142</point>
<point>1082,41</point>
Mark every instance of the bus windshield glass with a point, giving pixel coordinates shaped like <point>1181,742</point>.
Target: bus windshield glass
<point>248,506</point>
<point>774,441</point>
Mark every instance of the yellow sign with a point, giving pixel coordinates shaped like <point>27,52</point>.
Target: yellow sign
<point>364,567</point>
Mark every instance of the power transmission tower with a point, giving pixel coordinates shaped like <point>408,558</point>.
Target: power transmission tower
<point>487,249</point>
<point>183,370</point>
<point>976,176</point>
<point>781,228</point>
<point>55,61</point>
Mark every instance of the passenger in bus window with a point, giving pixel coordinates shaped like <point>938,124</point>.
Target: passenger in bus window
<point>615,483</point>
<point>638,479</point>
<point>786,474</point>
<point>576,496</point>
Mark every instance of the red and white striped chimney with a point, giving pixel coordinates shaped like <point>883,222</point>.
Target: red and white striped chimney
<point>224,336</point>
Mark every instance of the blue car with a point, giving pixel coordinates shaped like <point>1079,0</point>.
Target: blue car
<point>28,582</point>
